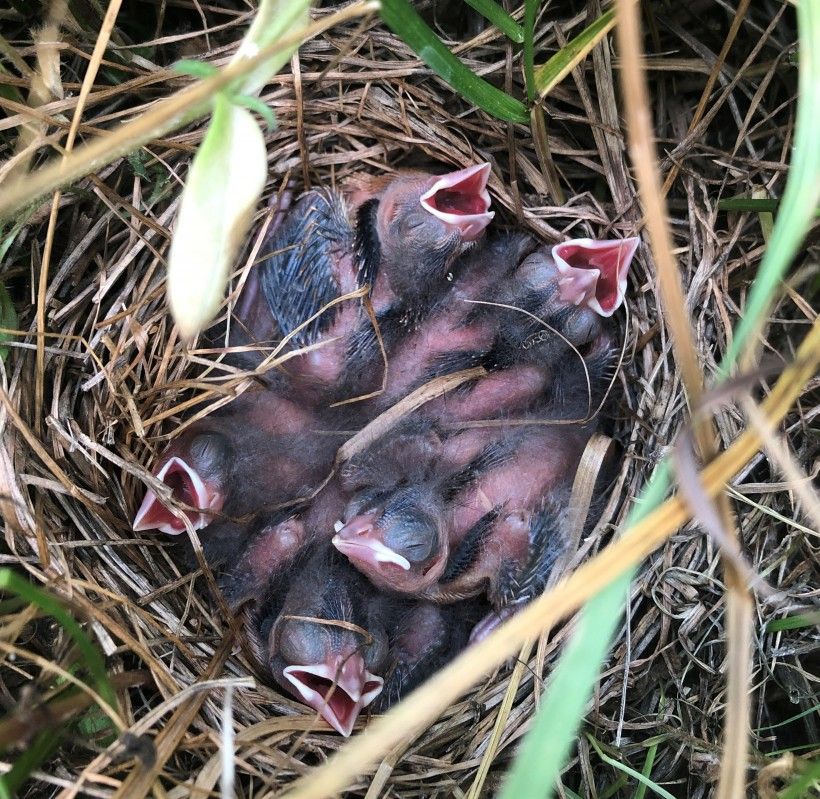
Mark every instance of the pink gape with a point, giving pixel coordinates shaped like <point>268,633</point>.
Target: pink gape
<point>461,200</point>
<point>593,272</point>
<point>188,488</point>
<point>338,690</point>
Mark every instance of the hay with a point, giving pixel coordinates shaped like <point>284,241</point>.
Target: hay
<point>116,380</point>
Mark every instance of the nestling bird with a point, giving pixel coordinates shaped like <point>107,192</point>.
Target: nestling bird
<point>322,638</point>
<point>395,235</point>
<point>396,528</point>
<point>257,452</point>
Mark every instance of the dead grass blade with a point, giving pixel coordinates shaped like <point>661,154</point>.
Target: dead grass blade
<point>722,523</point>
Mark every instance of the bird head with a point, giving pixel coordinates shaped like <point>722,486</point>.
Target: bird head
<point>327,647</point>
<point>195,469</point>
<point>424,221</point>
<point>399,545</point>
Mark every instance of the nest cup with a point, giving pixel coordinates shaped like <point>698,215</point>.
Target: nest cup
<point>80,436</point>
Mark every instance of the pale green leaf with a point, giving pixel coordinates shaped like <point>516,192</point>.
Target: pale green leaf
<point>224,184</point>
<point>274,19</point>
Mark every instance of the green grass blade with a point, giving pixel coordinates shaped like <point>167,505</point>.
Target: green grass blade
<point>547,745</point>
<point>530,13</point>
<point>647,770</point>
<point>801,715</point>
<point>753,204</point>
<point>640,777</point>
<point>493,12</point>
<point>33,755</point>
<point>794,622</point>
<point>414,31</point>
<point>92,658</point>
<point>551,73</point>
<point>598,619</point>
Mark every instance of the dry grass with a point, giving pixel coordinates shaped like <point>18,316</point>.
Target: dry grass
<point>115,379</point>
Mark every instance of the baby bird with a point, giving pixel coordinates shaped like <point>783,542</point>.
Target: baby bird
<point>394,235</point>
<point>562,296</point>
<point>423,637</point>
<point>275,542</point>
<point>477,528</point>
<point>324,640</point>
<point>396,526</point>
<point>257,452</point>
<point>412,225</point>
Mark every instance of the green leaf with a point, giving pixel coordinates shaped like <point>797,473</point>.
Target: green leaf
<point>599,618</point>
<point>96,726</point>
<point>493,12</point>
<point>641,778</point>
<point>794,622</point>
<point>196,69</point>
<point>400,17</point>
<point>801,788</point>
<point>91,660</point>
<point>550,74</point>
<point>274,19</point>
<point>8,319</point>
<point>224,185</point>
<point>255,104</point>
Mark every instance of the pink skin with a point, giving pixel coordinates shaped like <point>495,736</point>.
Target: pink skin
<point>440,335</point>
<point>444,333</point>
<point>593,273</point>
<point>338,689</point>
<point>545,458</point>
<point>510,390</point>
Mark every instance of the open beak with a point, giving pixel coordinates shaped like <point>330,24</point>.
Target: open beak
<point>188,488</point>
<point>593,273</point>
<point>358,542</point>
<point>461,200</point>
<point>337,689</point>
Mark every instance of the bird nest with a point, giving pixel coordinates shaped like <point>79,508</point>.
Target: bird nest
<point>81,428</point>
